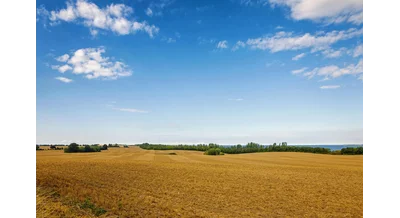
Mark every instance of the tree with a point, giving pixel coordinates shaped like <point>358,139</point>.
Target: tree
<point>105,147</point>
<point>37,147</point>
<point>73,147</point>
<point>88,148</point>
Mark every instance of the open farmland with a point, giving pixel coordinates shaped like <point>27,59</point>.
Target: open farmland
<point>131,182</point>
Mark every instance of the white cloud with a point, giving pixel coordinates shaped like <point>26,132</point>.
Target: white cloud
<point>222,44</point>
<point>235,99</point>
<point>91,63</point>
<point>157,6</point>
<point>324,79</point>
<point>299,70</point>
<point>356,18</point>
<point>131,110</point>
<point>63,58</point>
<point>331,53</point>
<point>149,12</point>
<point>64,68</point>
<point>114,17</point>
<point>64,79</point>
<point>238,45</point>
<point>94,32</point>
<point>329,11</point>
<point>282,41</point>
<point>330,87</point>
<point>279,27</point>
<point>358,51</point>
<point>333,71</point>
<point>297,57</point>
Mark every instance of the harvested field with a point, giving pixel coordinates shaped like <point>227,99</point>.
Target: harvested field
<point>131,182</point>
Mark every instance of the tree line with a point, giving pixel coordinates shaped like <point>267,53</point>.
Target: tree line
<point>251,147</point>
<point>74,147</point>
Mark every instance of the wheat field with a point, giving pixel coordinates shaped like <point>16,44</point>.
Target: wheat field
<point>131,182</point>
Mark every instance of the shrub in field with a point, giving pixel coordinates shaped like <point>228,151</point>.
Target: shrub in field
<point>213,151</point>
<point>104,147</point>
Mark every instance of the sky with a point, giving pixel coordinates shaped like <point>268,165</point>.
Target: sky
<point>174,71</point>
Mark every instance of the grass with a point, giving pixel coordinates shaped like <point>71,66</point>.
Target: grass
<point>145,183</point>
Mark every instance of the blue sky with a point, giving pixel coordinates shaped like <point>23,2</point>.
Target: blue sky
<point>199,71</point>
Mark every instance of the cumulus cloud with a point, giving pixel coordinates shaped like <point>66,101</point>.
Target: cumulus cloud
<point>330,87</point>
<point>64,79</point>
<point>113,17</point>
<point>358,51</point>
<point>91,63</point>
<point>333,71</point>
<point>63,58</point>
<point>282,41</point>
<point>235,99</point>
<point>328,11</point>
<point>331,53</point>
<point>238,45</point>
<point>298,57</point>
<point>222,44</point>
<point>64,68</point>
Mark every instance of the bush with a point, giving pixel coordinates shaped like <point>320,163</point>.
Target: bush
<point>213,151</point>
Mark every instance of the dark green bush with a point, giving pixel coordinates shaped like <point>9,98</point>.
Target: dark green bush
<point>213,151</point>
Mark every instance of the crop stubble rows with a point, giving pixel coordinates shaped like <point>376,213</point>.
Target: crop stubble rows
<point>131,182</point>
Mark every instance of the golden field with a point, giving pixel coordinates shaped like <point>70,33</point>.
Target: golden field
<point>131,182</point>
